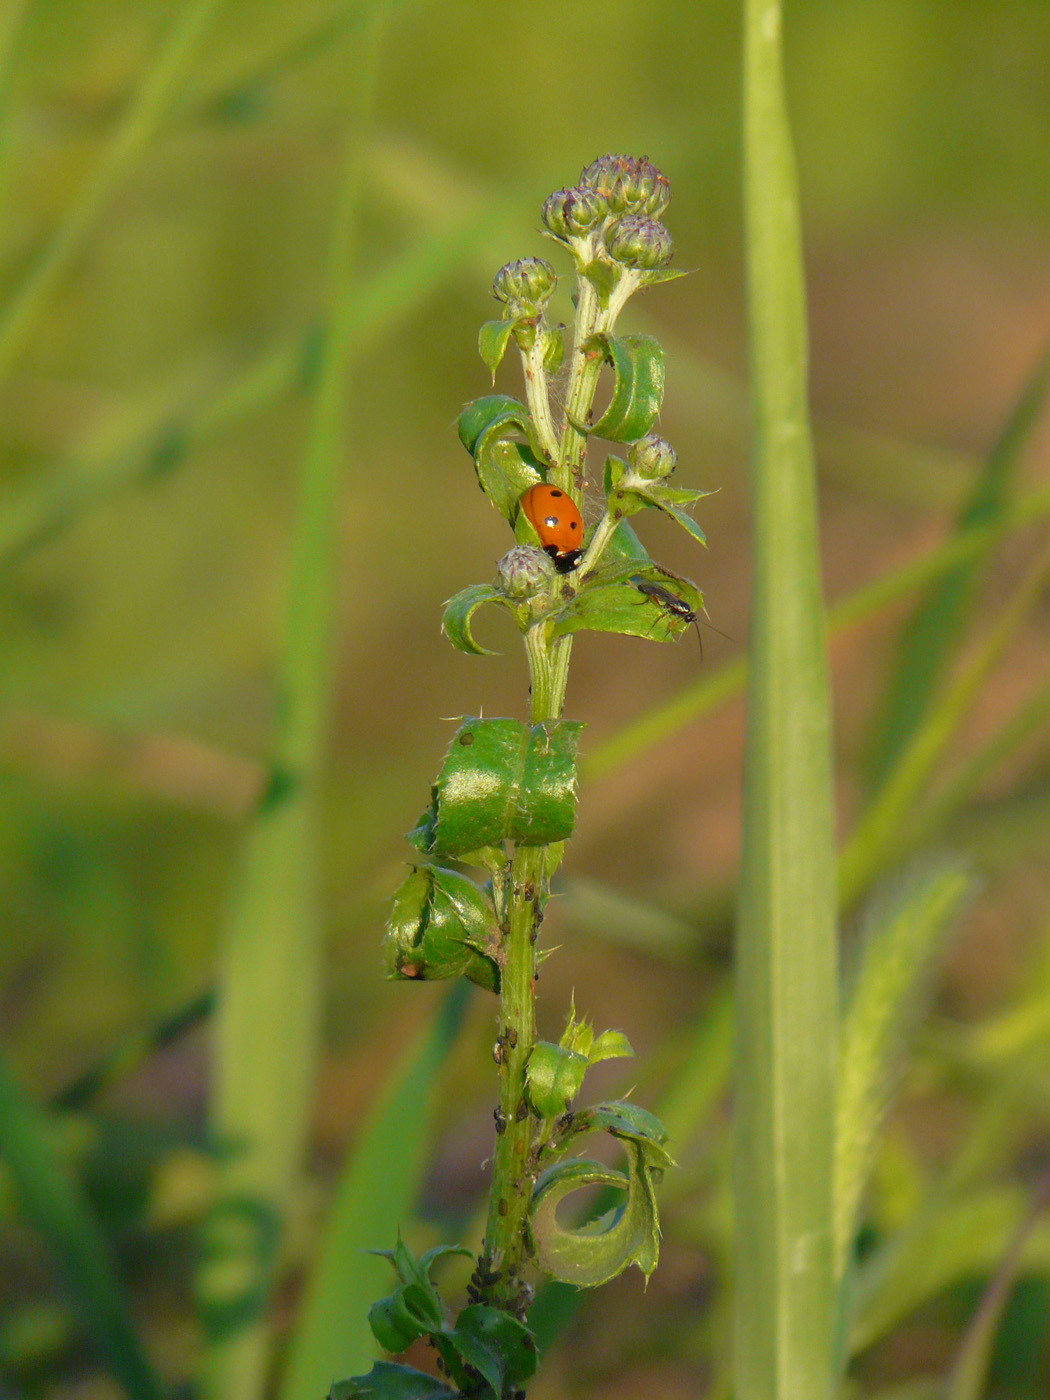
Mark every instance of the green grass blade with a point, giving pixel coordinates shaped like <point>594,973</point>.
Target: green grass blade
<point>876,838</point>
<point>375,1198</point>
<point>903,934</point>
<point>787,1031</point>
<point>145,111</point>
<point>702,696</point>
<point>271,977</point>
<point>935,628</point>
<point>58,1211</point>
<point>969,1376</point>
<point>955,1239</point>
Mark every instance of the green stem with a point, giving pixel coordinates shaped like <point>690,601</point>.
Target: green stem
<point>583,381</point>
<point>537,396</point>
<point>511,1189</point>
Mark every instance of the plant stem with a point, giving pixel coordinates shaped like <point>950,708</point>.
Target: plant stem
<point>537,396</point>
<point>583,381</point>
<point>524,895</point>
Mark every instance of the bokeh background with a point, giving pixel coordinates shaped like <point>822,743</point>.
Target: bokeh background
<point>142,591</point>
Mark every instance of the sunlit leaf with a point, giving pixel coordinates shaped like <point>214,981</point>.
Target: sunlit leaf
<point>503,780</point>
<point>493,339</point>
<point>460,609</point>
<point>638,368</point>
<point>591,1254</point>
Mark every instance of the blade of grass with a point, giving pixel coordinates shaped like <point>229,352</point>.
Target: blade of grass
<point>143,115</point>
<point>878,834</point>
<point>962,786</point>
<point>701,697</point>
<point>786,1016</point>
<point>55,1206</point>
<point>271,980</point>
<point>375,1197</point>
<point>936,627</point>
<point>970,1372</point>
<point>903,933</point>
<point>962,1239</point>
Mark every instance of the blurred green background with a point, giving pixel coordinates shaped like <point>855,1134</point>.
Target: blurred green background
<point>151,426</point>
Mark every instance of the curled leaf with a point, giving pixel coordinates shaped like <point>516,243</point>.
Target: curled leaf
<point>637,363</point>
<point>490,429</point>
<point>590,1254</point>
<point>502,780</point>
<point>460,609</point>
<point>442,925</point>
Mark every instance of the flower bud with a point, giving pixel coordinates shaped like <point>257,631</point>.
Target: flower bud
<point>639,242</point>
<point>652,457</point>
<point>572,213</point>
<point>526,285</point>
<point>523,571</point>
<point>628,184</point>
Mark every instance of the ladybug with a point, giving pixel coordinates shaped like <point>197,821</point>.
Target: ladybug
<point>670,602</point>
<point>553,515</point>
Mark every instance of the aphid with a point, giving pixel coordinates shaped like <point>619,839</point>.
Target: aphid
<point>670,603</point>
<point>554,517</point>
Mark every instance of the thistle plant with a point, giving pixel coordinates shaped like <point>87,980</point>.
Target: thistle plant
<point>504,800</point>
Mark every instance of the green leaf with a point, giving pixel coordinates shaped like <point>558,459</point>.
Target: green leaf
<point>499,1347</point>
<point>610,1045</point>
<point>786,946</point>
<point>935,628</point>
<point>414,1309</point>
<point>684,519</point>
<point>620,606</point>
<point>643,494</point>
<point>461,608</point>
<point>613,473</point>
<point>389,1381</point>
<point>554,1076</point>
<point>591,1254</point>
<point>489,429</point>
<point>492,410</point>
<point>442,925</point>
<point>504,780</point>
<point>493,339</point>
<point>624,548</point>
<point>662,274</point>
<point>626,1121</point>
<point>638,366</point>
<point>55,1206</point>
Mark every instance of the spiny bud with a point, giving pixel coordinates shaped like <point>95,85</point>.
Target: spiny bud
<point>628,184</point>
<point>526,285</point>
<point>652,457</point>
<point>639,242</point>
<point>571,213</point>
<point>523,571</point>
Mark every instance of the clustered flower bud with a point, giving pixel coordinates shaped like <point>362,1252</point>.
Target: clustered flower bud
<point>523,571</point>
<point>639,242</point>
<point>572,213</point>
<point>652,457</point>
<point>526,285</point>
<point>628,184</point>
